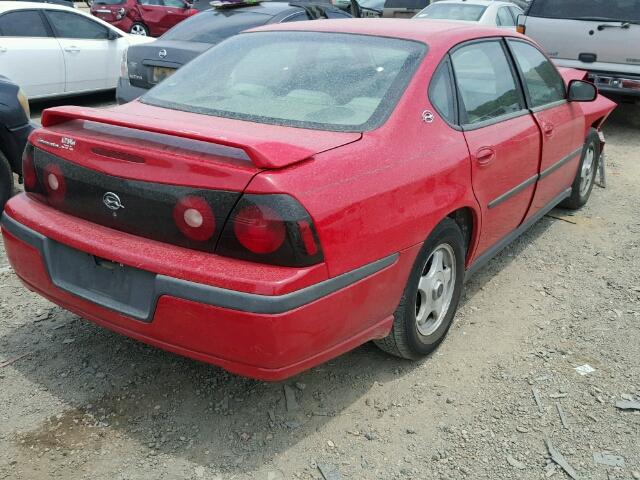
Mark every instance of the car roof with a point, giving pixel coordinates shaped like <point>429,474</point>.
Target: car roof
<point>484,3</point>
<point>274,8</point>
<point>8,6</point>
<point>434,33</point>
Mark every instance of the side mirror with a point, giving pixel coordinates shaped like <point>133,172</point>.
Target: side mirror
<point>581,91</point>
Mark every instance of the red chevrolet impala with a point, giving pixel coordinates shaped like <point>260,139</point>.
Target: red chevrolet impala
<point>303,188</point>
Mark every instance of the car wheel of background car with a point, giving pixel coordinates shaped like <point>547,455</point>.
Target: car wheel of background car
<point>139,29</point>
<point>585,178</point>
<point>431,296</point>
<point>6,181</point>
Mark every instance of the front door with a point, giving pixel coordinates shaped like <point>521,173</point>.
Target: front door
<point>561,123</point>
<point>502,136</point>
<point>29,54</point>
<point>91,59</point>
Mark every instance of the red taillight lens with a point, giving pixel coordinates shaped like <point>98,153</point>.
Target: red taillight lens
<point>29,170</point>
<point>273,229</point>
<point>259,229</point>
<point>54,182</point>
<point>194,218</point>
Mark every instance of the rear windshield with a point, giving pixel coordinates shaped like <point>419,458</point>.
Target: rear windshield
<point>413,4</point>
<point>213,26</point>
<point>327,81</point>
<point>598,10</point>
<point>453,11</point>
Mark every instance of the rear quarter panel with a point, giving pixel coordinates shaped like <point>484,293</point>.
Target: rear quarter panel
<point>386,192</point>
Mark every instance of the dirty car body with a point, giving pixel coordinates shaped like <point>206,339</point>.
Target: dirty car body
<point>265,221</point>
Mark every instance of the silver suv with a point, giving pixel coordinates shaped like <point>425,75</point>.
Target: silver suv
<point>600,36</point>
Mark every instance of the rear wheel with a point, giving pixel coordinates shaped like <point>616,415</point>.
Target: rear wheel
<point>139,29</point>
<point>6,181</point>
<point>431,296</point>
<point>585,178</point>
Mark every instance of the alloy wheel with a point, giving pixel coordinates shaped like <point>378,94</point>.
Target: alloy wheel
<point>138,30</point>
<point>587,170</point>
<point>435,289</point>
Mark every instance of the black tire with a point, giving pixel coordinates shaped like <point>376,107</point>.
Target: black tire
<point>6,181</point>
<point>580,192</point>
<point>141,27</point>
<point>405,339</point>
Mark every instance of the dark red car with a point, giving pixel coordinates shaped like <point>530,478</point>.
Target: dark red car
<point>143,17</point>
<point>303,188</point>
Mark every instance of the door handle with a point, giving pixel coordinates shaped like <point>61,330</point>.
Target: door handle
<point>485,155</point>
<point>72,49</point>
<point>548,129</point>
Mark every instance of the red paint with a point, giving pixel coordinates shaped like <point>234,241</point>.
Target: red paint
<point>157,18</point>
<point>369,196</point>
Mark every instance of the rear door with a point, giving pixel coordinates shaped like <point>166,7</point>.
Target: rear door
<point>91,59</point>
<point>502,136</point>
<point>154,15</point>
<point>561,123</point>
<point>27,49</point>
<point>600,35</point>
<point>176,11</point>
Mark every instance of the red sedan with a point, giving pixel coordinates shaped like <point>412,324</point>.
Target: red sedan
<point>143,17</point>
<point>303,188</point>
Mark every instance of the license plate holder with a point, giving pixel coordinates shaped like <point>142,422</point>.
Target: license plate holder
<point>112,285</point>
<point>160,73</point>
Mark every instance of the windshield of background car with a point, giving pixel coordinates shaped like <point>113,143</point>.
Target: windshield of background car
<point>621,10</point>
<point>326,81</point>
<point>213,26</point>
<point>453,11</point>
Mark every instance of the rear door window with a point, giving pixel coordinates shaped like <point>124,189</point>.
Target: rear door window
<point>70,25</point>
<point>542,81</point>
<point>26,23</point>
<point>504,18</point>
<point>598,10</point>
<point>486,82</point>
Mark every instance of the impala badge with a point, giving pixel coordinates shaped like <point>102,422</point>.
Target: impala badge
<point>112,201</point>
<point>427,116</point>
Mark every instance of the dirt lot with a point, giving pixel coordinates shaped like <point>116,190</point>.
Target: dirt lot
<point>82,402</point>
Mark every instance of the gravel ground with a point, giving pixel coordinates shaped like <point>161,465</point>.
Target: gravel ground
<point>82,402</point>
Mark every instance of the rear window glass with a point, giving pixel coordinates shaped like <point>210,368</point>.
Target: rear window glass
<point>453,11</point>
<point>213,26</point>
<point>598,10</point>
<point>326,81</point>
<point>413,4</point>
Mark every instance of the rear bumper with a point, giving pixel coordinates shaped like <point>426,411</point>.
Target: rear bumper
<point>607,81</point>
<point>269,337</point>
<point>125,92</point>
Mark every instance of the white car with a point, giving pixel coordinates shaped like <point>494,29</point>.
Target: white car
<point>52,50</point>
<point>483,12</point>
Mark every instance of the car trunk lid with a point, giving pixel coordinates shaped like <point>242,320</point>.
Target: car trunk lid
<point>150,63</point>
<point>135,167</point>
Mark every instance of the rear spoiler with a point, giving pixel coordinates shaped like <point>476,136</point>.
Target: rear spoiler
<point>263,153</point>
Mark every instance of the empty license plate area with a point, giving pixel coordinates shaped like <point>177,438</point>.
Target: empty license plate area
<point>127,290</point>
<point>160,73</point>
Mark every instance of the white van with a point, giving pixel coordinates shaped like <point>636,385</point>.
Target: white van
<point>600,36</point>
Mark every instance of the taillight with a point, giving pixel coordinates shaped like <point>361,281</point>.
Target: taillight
<point>273,229</point>
<point>29,175</point>
<point>54,182</point>
<point>194,218</point>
